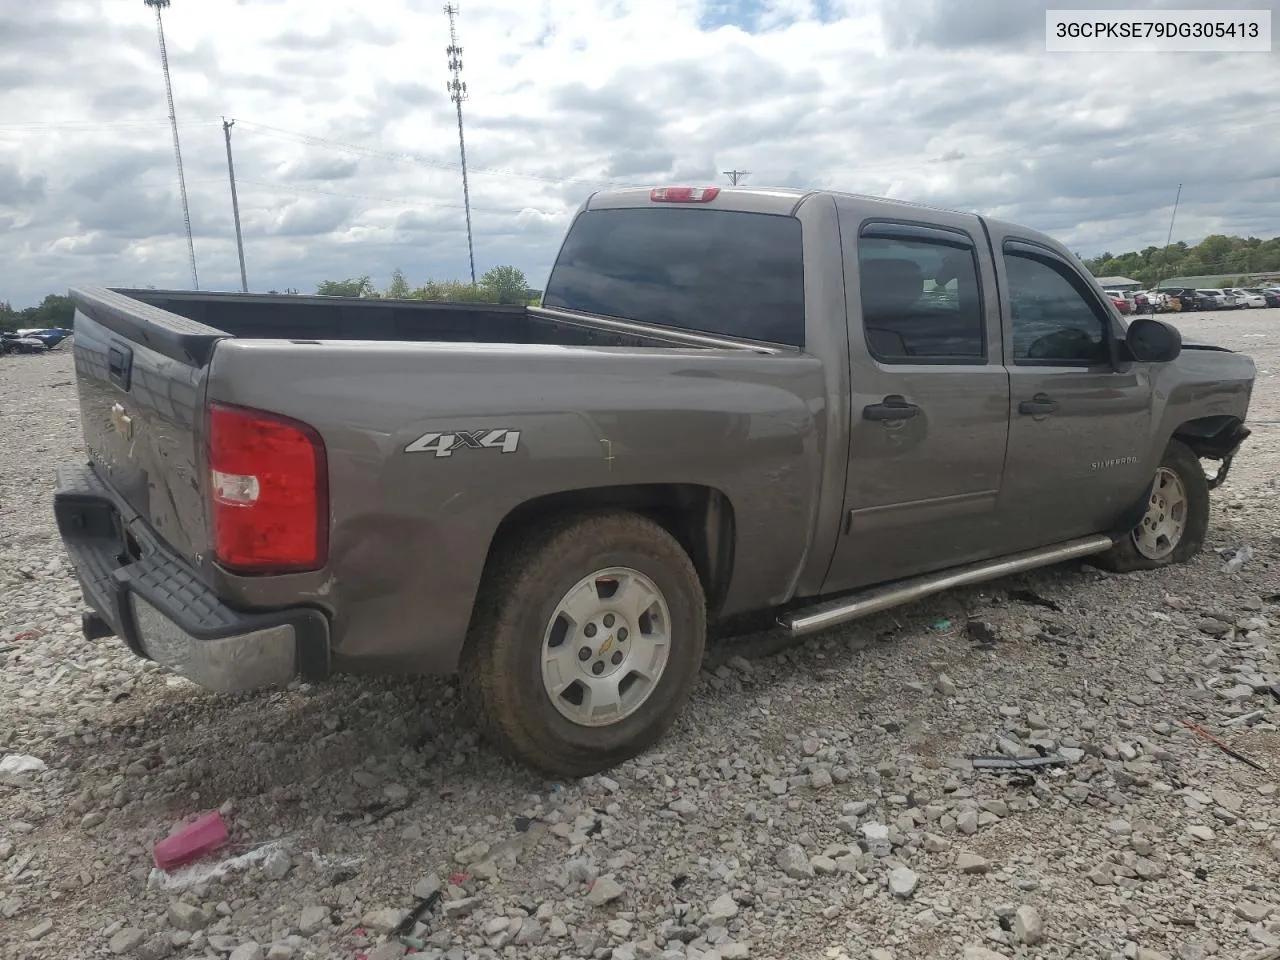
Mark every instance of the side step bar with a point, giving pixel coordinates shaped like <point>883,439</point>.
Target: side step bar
<point>835,612</point>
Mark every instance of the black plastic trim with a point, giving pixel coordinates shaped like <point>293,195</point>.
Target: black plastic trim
<point>93,521</point>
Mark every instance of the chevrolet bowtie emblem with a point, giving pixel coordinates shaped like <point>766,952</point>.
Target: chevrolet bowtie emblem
<point>122,422</point>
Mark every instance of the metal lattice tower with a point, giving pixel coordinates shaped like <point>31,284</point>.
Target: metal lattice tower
<point>457,93</point>
<point>177,148</point>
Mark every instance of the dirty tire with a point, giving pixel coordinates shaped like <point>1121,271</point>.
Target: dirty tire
<point>523,585</point>
<point>1125,556</point>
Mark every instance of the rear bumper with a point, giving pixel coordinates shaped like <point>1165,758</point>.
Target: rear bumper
<point>153,600</point>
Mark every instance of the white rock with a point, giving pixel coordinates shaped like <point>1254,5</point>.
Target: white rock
<point>125,940</point>
<point>794,862</point>
<point>972,863</point>
<point>249,951</point>
<point>1027,925</point>
<point>724,907</point>
<point>313,919</point>
<point>605,890</point>
<point>903,882</point>
<point>20,763</point>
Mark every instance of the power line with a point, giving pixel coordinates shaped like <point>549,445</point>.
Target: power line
<point>735,175</point>
<point>390,201</point>
<point>457,93</point>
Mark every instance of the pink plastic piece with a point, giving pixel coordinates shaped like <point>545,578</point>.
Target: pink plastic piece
<point>191,842</point>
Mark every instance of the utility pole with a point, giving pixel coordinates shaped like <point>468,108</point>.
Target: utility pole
<point>735,175</point>
<point>1168,240</point>
<point>177,149</point>
<point>235,203</point>
<point>457,93</point>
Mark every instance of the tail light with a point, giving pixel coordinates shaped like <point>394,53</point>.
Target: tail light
<point>683,194</point>
<point>269,490</point>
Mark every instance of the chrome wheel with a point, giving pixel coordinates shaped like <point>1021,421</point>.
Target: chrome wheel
<point>606,647</point>
<point>1161,529</point>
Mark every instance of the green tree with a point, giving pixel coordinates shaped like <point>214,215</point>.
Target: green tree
<point>399,288</point>
<point>505,284</point>
<point>351,287</point>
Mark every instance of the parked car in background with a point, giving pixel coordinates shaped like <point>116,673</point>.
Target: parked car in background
<point>1211,299</point>
<point>17,343</point>
<point>49,336</point>
<point>1122,303</point>
<point>1248,299</point>
<point>1272,296</point>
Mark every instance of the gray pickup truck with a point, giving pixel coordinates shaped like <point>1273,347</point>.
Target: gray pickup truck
<point>732,401</point>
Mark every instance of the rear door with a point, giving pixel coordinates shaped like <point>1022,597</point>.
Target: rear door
<point>1079,427</point>
<point>929,395</point>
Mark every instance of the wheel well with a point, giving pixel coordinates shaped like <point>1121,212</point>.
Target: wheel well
<point>700,518</point>
<point>1212,437</point>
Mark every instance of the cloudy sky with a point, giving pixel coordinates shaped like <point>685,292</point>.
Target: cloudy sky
<point>346,145</point>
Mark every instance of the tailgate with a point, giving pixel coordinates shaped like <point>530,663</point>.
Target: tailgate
<point>140,373</point>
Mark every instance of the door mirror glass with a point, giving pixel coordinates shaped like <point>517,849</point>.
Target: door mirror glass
<point>1153,341</point>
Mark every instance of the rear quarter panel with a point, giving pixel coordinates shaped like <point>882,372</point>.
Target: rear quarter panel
<point>410,531</point>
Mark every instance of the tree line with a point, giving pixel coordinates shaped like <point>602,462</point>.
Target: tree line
<point>504,284</point>
<point>53,311</point>
<point>1215,255</point>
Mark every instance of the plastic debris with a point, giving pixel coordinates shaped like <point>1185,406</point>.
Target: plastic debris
<point>1238,559</point>
<point>1034,599</point>
<point>1018,763</point>
<point>982,633</point>
<point>411,918</point>
<point>191,842</point>
<point>21,763</point>
<point>943,624</point>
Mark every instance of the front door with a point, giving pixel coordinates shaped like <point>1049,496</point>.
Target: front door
<point>929,394</point>
<point>1079,430</point>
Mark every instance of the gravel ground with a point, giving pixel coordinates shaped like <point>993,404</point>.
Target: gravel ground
<point>815,801</point>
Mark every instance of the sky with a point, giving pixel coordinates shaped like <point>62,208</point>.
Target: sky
<point>346,143</point>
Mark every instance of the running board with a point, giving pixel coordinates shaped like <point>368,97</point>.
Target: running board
<point>875,599</point>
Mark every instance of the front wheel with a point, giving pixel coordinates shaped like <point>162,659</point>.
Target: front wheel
<point>586,642</point>
<point>1173,528</point>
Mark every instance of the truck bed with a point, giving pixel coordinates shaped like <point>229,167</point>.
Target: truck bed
<point>287,317</point>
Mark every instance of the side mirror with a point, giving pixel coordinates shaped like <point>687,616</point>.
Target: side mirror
<point>1153,341</point>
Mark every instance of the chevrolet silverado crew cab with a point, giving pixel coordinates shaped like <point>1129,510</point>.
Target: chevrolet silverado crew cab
<point>731,401</point>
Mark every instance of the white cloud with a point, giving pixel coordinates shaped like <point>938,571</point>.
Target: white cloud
<point>346,143</point>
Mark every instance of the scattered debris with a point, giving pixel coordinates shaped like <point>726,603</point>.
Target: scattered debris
<point>1031,762</point>
<point>1034,599</point>
<point>1237,558</point>
<point>413,915</point>
<point>20,763</point>
<point>1222,746</point>
<point>192,842</point>
<point>982,633</point>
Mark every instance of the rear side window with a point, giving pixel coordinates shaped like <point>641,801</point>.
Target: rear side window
<point>921,301</point>
<point>706,271</point>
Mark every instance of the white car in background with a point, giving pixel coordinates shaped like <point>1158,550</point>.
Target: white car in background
<point>1247,298</point>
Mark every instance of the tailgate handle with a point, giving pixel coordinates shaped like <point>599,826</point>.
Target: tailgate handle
<point>120,365</point>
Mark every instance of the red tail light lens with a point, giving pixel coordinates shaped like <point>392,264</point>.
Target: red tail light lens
<point>683,194</point>
<point>269,492</point>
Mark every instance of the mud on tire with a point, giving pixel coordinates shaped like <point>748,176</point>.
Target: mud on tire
<point>520,631</point>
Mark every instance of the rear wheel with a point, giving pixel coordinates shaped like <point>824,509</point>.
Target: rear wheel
<point>586,642</point>
<point>1173,528</point>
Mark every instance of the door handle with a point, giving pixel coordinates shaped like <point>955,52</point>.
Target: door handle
<point>1038,406</point>
<point>892,407</point>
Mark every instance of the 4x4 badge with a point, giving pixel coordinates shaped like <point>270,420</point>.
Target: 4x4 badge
<point>443,444</point>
